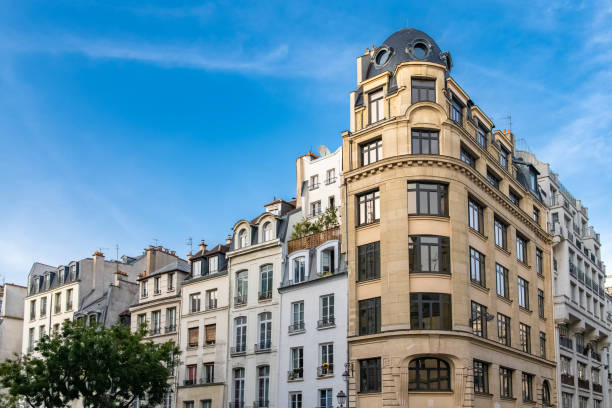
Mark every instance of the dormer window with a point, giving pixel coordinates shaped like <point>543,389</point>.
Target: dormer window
<point>213,264</point>
<point>299,271</point>
<point>267,231</point>
<point>503,157</point>
<point>242,239</point>
<point>377,109</point>
<point>533,181</point>
<point>196,268</point>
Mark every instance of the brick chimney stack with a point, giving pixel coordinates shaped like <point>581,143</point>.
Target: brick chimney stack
<point>202,246</point>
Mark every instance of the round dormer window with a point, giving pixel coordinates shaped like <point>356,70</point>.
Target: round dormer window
<point>382,56</point>
<point>419,49</point>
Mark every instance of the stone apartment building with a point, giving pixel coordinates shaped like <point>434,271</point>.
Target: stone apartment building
<point>255,263</point>
<point>580,300</point>
<point>450,283</point>
<point>313,293</point>
<point>11,320</point>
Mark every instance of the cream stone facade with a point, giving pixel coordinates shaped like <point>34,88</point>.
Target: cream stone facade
<point>432,322</point>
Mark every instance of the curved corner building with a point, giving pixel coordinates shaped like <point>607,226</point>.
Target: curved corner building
<point>445,233</point>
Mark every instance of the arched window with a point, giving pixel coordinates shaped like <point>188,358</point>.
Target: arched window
<point>242,239</point>
<point>429,374</point>
<point>267,232</point>
<point>545,393</point>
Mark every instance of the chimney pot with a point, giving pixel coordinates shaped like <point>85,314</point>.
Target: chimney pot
<point>228,240</point>
<point>202,246</point>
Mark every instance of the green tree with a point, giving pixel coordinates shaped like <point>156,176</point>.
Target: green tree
<point>104,367</point>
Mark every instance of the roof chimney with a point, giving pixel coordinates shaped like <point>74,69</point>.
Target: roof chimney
<point>202,246</point>
<point>228,240</point>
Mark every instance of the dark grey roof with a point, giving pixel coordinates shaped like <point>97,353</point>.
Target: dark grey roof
<point>178,265</point>
<point>219,248</point>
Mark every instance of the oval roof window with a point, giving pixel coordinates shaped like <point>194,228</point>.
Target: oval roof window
<point>420,50</point>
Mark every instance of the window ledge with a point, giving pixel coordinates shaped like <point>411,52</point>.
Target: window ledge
<point>429,217</point>
<point>478,234</point>
<point>369,392</point>
<point>523,309</point>
<point>507,398</point>
<point>505,299</point>
<point>503,250</point>
<point>483,394</point>
<point>368,225</point>
<point>524,264</point>
<point>478,286</point>
<point>436,274</point>
<point>450,392</point>
<point>366,281</point>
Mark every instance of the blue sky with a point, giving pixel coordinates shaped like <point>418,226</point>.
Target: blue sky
<point>122,122</point>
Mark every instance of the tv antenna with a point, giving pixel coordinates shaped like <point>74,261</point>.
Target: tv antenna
<point>508,119</point>
<point>190,244</point>
<point>156,241</point>
<point>323,151</point>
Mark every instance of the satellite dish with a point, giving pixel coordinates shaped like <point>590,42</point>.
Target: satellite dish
<point>323,150</point>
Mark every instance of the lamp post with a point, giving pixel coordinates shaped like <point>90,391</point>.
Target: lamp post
<point>341,398</point>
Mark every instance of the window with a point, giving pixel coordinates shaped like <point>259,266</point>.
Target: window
<point>69,299</point>
<point>456,111</point>
<point>193,334</point>
<point>170,319</point>
<point>325,398</point>
<point>582,370</point>
<point>315,208</point>
<point>170,281</point>
<point>297,363</point>
<point>239,386</point>
<point>527,387</point>
<point>493,179</point>
<point>265,281</point>
<point>267,232</point>
<point>186,404</point>
<point>326,359</point>
<point>299,269</point>
<point>371,152</point>
<point>566,400</point>
<point>475,216</point>
<point>330,176</point>
<point>503,329</point>
<point>546,393</point>
<point>479,320</point>
<point>141,320</point>
<point>263,386</point>
<point>32,309</point>
<point>377,109</point>
<point>539,262</point>
<point>521,249</point>
<point>425,142</point>
<point>56,328</point>
<point>477,267</point>
<point>500,231</point>
<point>595,376</point>
<point>505,382</point>
<point>295,399</point>
<point>297,316</point>
<point>542,344</point>
<point>525,337</point>
<point>369,316</point>
<point>468,157</point>
<point>314,182</point>
<point>430,311</point>
<point>240,331</point>
<point>43,306</point>
<point>368,261</point>
<point>156,322</point>
<point>57,303</point>
<point>503,157</point>
<point>429,254</point>
<point>541,303</point>
<point>194,302</point>
<point>427,199</point>
<point>481,136</point>
<point>213,264</point>
<point>481,377</point>
<point>596,403</point>
<point>428,374</point>
<point>502,281</point>
<point>326,311</point>
<point>157,285</point>
<point>515,198</point>
<point>369,207</point>
<point>423,90</point>
<point>211,299</point>
<point>523,293</point>
<point>536,214</point>
<point>41,331</point>
<point>242,287</point>
<point>209,373</point>
<point>327,260</point>
<point>196,268</point>
<point>192,373</point>
<point>210,334</point>
<point>265,331</point>
<point>31,339</point>
<point>370,375</point>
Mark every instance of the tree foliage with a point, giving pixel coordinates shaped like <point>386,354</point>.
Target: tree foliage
<point>327,220</point>
<point>104,367</point>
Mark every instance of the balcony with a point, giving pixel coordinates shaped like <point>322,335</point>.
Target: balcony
<point>595,356</point>
<point>297,327</point>
<point>261,404</point>
<point>584,384</point>
<point>237,404</point>
<point>566,342</point>
<point>211,304</point>
<point>267,295</point>
<point>597,388</point>
<point>582,350</point>
<point>69,306</point>
<point>313,186</point>
<point>297,374</point>
<point>325,370</point>
<point>588,281</point>
<point>567,379</point>
<point>263,346</point>
<point>326,322</point>
<point>171,328</point>
<point>154,331</point>
<point>313,240</point>
<point>238,350</point>
<point>191,381</point>
<point>240,300</point>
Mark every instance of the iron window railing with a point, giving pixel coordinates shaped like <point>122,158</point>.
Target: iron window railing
<point>263,346</point>
<point>296,327</point>
<point>326,322</point>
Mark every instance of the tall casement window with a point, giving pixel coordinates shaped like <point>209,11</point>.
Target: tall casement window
<point>327,316</point>
<point>500,230</point>
<point>566,400</point>
<point>326,359</point>
<point>542,344</point>
<point>210,334</point>
<point>156,322</point>
<point>428,374</point>
<point>194,302</point>
<point>468,157</point>
<point>371,152</point>
<point>211,299</point>
<point>525,337</point>
<point>263,386</point>
<point>369,207</point>
<point>481,377</point>
<point>297,316</point>
<point>377,107</point>
<point>192,373</point>
<point>299,269</point>
<point>297,362</point>
<point>429,254</point>
<point>31,339</point>
<point>546,394</point>
<point>514,197</point>
<point>523,293</point>
<point>477,267</point>
<point>213,264</point>
<point>521,249</point>
<point>242,239</point>
<point>503,329</point>
<point>423,90</point>
<point>32,309</point>
<point>369,316</point>
<point>265,331</point>
<point>475,215</point>
<point>240,333</point>
<point>493,179</point>
<point>370,375</point>
<point>326,397</point>
<point>430,311</point>
<point>428,199</point>
<point>170,281</point>
<point>539,262</point>
<point>479,319</point>
<point>267,232</point>
<point>503,289</point>
<point>505,382</point>
<point>481,136</point>
<point>527,387</point>
<point>238,386</point>
<point>425,142</point>
<point>196,267</point>
<point>265,281</point>
<point>327,260</point>
<point>295,399</point>
<point>57,303</point>
<point>541,303</point>
<point>69,299</point>
<point>368,261</point>
<point>209,373</point>
<point>242,287</point>
<point>193,334</point>
<point>157,285</point>
<point>43,306</point>
<point>456,111</point>
<point>504,154</point>
<point>143,289</point>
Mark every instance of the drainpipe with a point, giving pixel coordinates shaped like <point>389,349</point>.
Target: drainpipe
<point>348,399</point>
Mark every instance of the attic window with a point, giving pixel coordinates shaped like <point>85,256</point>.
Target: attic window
<point>382,56</point>
<point>420,50</point>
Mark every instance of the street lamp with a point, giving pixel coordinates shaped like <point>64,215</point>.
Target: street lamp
<point>341,398</point>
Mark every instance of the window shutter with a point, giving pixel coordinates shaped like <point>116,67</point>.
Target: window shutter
<point>193,335</point>
<point>211,333</point>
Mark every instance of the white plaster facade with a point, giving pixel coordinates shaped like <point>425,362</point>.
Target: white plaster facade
<point>318,182</point>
